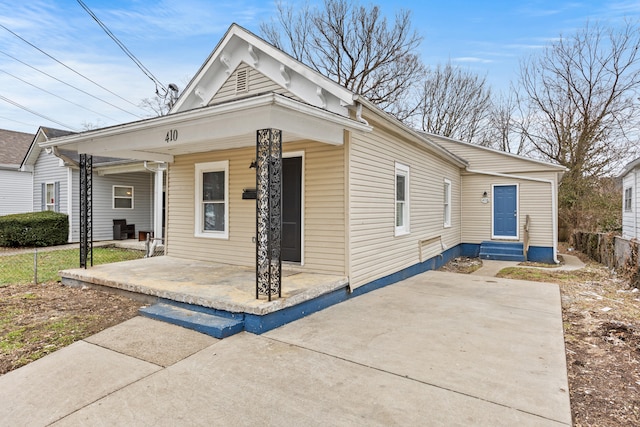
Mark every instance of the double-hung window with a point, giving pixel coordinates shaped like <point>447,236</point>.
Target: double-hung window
<point>122,197</point>
<point>402,199</point>
<point>50,196</point>
<point>447,203</point>
<point>627,199</point>
<point>212,200</point>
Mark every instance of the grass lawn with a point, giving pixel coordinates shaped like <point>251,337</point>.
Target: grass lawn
<point>37,319</point>
<point>20,268</point>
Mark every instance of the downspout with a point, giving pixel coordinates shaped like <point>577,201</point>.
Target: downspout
<point>554,217</point>
<point>359,114</point>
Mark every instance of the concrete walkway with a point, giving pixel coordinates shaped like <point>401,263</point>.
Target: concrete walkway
<point>490,267</point>
<point>436,349</point>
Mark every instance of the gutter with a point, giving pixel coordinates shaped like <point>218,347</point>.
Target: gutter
<point>554,207</point>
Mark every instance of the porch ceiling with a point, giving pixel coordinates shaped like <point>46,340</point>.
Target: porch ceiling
<point>217,127</point>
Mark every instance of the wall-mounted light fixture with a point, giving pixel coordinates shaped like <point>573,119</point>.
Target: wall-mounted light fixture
<point>484,195</point>
<point>253,165</point>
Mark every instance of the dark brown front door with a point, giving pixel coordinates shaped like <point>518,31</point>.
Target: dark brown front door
<point>291,209</point>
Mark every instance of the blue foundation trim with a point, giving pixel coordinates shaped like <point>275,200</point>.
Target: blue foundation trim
<point>258,324</point>
<point>471,250</point>
<point>540,254</point>
<point>430,264</point>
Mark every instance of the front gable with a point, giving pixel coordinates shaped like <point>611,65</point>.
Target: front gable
<point>247,81</point>
<point>267,68</point>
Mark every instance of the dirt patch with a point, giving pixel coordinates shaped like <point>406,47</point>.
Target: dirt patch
<point>462,264</point>
<point>601,315</point>
<point>36,320</point>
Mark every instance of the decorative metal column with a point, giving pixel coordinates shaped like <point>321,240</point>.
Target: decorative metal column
<point>86,210</point>
<point>268,212</point>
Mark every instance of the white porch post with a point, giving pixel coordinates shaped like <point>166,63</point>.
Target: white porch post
<point>157,209</point>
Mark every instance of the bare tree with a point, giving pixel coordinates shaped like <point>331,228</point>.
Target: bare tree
<point>353,45</point>
<point>162,102</point>
<point>503,123</point>
<point>581,96</point>
<point>453,102</point>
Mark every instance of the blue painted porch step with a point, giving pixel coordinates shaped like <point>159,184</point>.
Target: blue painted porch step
<point>216,325</point>
<point>502,251</point>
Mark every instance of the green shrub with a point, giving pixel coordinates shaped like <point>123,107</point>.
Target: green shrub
<point>34,229</point>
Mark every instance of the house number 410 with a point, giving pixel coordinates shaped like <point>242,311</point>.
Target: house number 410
<point>172,135</point>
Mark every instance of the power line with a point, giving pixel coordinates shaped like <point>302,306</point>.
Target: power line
<point>71,69</point>
<point>70,85</point>
<point>36,113</point>
<point>57,96</point>
<point>136,61</point>
<point>17,121</point>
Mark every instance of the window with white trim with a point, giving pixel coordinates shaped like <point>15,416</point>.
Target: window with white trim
<point>50,196</point>
<point>212,196</point>
<point>628,194</point>
<point>402,199</point>
<point>122,197</point>
<point>447,203</point>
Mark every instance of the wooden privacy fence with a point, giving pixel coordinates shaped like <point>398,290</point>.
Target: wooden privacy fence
<point>612,251</point>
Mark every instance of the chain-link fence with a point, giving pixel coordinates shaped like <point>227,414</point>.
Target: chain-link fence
<point>39,265</point>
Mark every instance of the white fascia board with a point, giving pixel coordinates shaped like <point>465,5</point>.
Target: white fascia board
<point>239,45</point>
<point>493,150</point>
<point>630,166</point>
<point>145,140</point>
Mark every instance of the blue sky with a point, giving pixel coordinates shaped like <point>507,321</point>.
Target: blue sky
<point>173,38</point>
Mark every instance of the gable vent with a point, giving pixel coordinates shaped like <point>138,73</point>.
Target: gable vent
<point>242,81</point>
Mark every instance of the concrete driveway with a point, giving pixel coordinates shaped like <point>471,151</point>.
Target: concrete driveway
<point>436,349</point>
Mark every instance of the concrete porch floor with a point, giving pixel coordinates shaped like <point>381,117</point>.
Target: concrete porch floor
<point>223,287</point>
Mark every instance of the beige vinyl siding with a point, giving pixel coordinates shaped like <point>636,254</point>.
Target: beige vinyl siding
<point>534,199</point>
<point>487,159</point>
<point>375,250</point>
<point>323,233</point>
<point>257,83</point>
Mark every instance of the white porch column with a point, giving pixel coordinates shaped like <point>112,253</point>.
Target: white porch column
<point>157,209</point>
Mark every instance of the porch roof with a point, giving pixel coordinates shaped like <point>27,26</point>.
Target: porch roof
<point>222,126</point>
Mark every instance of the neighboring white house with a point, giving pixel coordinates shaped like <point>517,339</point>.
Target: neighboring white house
<point>122,189</point>
<point>363,195</point>
<point>15,183</point>
<point>630,192</point>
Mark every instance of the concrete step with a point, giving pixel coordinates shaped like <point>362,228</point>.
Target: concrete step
<point>216,325</point>
<point>502,251</point>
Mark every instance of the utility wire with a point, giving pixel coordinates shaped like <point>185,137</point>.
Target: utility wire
<point>17,121</point>
<point>144,69</point>
<point>57,96</point>
<point>36,113</point>
<point>71,69</point>
<point>70,85</point>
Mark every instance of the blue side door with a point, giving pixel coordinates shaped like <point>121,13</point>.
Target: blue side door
<point>505,211</point>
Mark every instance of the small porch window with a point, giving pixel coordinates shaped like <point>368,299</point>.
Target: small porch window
<point>402,199</point>
<point>122,197</point>
<point>447,203</point>
<point>212,194</point>
<point>627,199</point>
